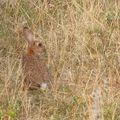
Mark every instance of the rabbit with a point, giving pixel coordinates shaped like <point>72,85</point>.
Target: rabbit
<point>34,65</point>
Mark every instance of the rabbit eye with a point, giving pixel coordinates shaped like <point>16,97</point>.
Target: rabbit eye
<point>39,44</point>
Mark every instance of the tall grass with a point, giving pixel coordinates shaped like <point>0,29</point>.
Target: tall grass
<point>82,42</point>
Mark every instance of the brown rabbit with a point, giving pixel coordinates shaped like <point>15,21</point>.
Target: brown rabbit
<point>34,64</point>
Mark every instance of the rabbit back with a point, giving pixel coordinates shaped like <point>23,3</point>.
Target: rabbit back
<point>35,71</point>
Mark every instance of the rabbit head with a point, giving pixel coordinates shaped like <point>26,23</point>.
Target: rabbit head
<point>34,46</point>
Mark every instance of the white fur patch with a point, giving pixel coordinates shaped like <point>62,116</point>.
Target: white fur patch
<point>44,86</point>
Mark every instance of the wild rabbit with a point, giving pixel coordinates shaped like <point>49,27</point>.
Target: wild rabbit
<point>34,64</point>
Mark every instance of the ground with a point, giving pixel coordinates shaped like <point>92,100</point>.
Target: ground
<point>82,39</point>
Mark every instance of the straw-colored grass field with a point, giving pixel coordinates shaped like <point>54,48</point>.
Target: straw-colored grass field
<point>82,38</point>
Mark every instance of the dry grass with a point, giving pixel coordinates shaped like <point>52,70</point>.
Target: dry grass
<point>82,41</point>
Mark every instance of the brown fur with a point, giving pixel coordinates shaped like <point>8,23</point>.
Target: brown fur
<point>34,65</point>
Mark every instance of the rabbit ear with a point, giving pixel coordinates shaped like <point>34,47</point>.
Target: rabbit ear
<point>28,34</point>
